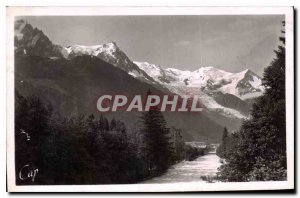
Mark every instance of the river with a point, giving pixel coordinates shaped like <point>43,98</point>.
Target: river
<point>189,171</point>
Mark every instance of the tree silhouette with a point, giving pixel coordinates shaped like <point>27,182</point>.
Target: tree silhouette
<point>158,151</point>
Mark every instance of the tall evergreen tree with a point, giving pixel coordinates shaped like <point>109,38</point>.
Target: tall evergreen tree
<point>101,122</point>
<point>222,149</point>
<point>178,144</point>
<point>113,124</point>
<point>158,151</point>
<point>106,124</point>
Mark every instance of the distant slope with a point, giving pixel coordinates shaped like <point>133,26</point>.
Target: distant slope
<point>73,87</point>
<point>73,77</point>
<point>224,95</point>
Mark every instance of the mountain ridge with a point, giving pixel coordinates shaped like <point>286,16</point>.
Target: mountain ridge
<point>73,86</point>
<point>202,77</point>
<point>225,95</point>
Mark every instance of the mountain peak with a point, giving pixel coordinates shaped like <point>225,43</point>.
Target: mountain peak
<point>244,84</point>
<point>19,27</point>
<point>246,71</point>
<point>208,67</point>
<point>32,41</point>
<point>92,50</point>
<point>112,43</point>
<point>19,22</point>
<point>250,73</point>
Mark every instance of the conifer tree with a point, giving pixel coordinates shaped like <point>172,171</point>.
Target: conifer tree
<point>178,143</point>
<point>222,149</point>
<point>106,124</point>
<point>101,122</point>
<point>158,151</point>
<point>113,124</point>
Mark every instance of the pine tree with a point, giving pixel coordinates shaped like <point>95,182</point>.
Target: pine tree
<point>101,122</point>
<point>158,151</point>
<point>178,144</point>
<point>222,149</point>
<point>113,124</point>
<point>105,124</point>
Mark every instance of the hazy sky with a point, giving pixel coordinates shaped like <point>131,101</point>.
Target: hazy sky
<point>232,43</point>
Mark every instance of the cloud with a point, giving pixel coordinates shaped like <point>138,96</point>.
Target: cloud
<point>182,43</point>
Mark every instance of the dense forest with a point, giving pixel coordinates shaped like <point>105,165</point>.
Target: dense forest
<point>257,152</point>
<point>88,150</point>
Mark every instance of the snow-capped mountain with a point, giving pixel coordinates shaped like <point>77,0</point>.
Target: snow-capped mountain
<point>244,84</point>
<point>223,94</point>
<point>211,84</point>
<point>110,53</point>
<point>29,40</point>
<point>72,83</point>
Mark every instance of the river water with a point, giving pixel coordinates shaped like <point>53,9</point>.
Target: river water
<point>190,171</point>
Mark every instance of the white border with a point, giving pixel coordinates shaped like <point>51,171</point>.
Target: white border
<point>192,186</point>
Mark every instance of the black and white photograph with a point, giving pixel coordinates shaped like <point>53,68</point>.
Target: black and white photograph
<point>150,99</point>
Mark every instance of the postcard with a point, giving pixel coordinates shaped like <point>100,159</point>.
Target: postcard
<point>150,99</point>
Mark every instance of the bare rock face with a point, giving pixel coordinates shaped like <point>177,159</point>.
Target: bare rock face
<point>32,41</point>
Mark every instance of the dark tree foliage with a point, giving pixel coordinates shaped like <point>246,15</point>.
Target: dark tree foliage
<point>157,149</point>
<point>73,150</point>
<point>222,149</point>
<point>260,150</point>
<point>30,115</point>
<point>113,124</point>
<point>183,151</point>
<point>191,153</point>
<point>178,144</point>
<point>90,150</point>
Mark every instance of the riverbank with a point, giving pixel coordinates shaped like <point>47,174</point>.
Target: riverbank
<point>189,171</point>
